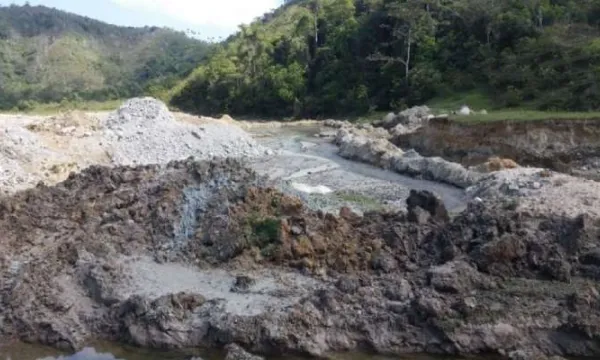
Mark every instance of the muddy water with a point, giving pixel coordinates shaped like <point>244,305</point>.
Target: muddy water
<point>302,157</point>
<point>106,351</point>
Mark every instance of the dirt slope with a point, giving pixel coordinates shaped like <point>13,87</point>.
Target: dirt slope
<point>571,146</point>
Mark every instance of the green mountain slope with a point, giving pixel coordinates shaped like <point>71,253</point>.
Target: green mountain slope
<point>330,57</point>
<point>47,55</point>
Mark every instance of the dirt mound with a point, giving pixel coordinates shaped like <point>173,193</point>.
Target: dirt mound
<point>55,237</point>
<point>92,257</point>
<point>144,131</point>
<point>496,164</point>
<point>508,243</point>
<point>267,227</point>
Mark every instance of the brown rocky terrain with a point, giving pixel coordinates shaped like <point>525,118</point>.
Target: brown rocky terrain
<point>122,253</point>
<point>568,146</point>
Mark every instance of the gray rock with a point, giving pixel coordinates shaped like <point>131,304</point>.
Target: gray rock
<point>236,352</point>
<point>411,118</point>
<point>348,284</point>
<point>429,202</point>
<point>380,152</point>
<point>456,277</point>
<point>401,291</point>
<point>384,262</point>
<point>242,284</point>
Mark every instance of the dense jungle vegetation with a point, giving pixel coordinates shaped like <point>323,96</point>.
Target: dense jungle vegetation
<point>331,57</point>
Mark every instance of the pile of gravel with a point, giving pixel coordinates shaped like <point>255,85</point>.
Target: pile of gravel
<point>20,152</point>
<point>143,131</point>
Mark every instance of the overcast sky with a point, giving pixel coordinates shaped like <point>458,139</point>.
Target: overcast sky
<point>211,18</point>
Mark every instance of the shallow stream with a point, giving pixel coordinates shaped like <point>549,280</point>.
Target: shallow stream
<point>303,158</point>
<point>106,351</point>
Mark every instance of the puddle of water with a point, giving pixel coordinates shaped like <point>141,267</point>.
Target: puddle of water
<point>101,351</point>
<point>107,351</point>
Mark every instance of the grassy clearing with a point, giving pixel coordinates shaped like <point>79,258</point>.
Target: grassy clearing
<point>476,100</point>
<point>369,118</point>
<point>53,108</point>
<point>362,201</point>
<point>517,115</point>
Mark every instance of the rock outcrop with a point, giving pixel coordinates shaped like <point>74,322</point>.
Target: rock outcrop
<point>355,145</point>
<point>569,146</point>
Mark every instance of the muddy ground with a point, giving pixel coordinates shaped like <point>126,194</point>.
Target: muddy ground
<point>297,252</point>
<point>97,255</point>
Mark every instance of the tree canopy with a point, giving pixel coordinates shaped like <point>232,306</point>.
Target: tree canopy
<point>330,57</point>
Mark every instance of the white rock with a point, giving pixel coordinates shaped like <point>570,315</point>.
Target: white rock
<point>319,189</point>
<point>389,117</point>
<point>465,110</point>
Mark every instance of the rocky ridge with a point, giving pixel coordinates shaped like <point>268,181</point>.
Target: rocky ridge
<point>366,146</point>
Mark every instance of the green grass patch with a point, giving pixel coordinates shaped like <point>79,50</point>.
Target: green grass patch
<point>517,115</point>
<point>476,100</point>
<point>362,201</point>
<point>53,108</point>
<point>262,230</point>
<point>369,117</point>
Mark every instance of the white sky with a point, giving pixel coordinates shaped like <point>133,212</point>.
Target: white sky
<point>219,13</point>
<point>212,19</point>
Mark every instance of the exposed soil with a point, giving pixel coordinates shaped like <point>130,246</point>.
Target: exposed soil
<point>146,255</point>
<point>568,146</point>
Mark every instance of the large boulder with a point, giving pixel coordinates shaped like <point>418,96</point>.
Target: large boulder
<point>412,118</point>
<point>370,150</point>
<point>428,201</point>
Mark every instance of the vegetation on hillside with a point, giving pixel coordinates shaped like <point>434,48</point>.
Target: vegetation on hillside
<point>327,57</point>
<point>47,55</point>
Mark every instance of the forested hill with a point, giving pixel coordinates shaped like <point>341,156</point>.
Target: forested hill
<point>329,57</point>
<point>47,55</point>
